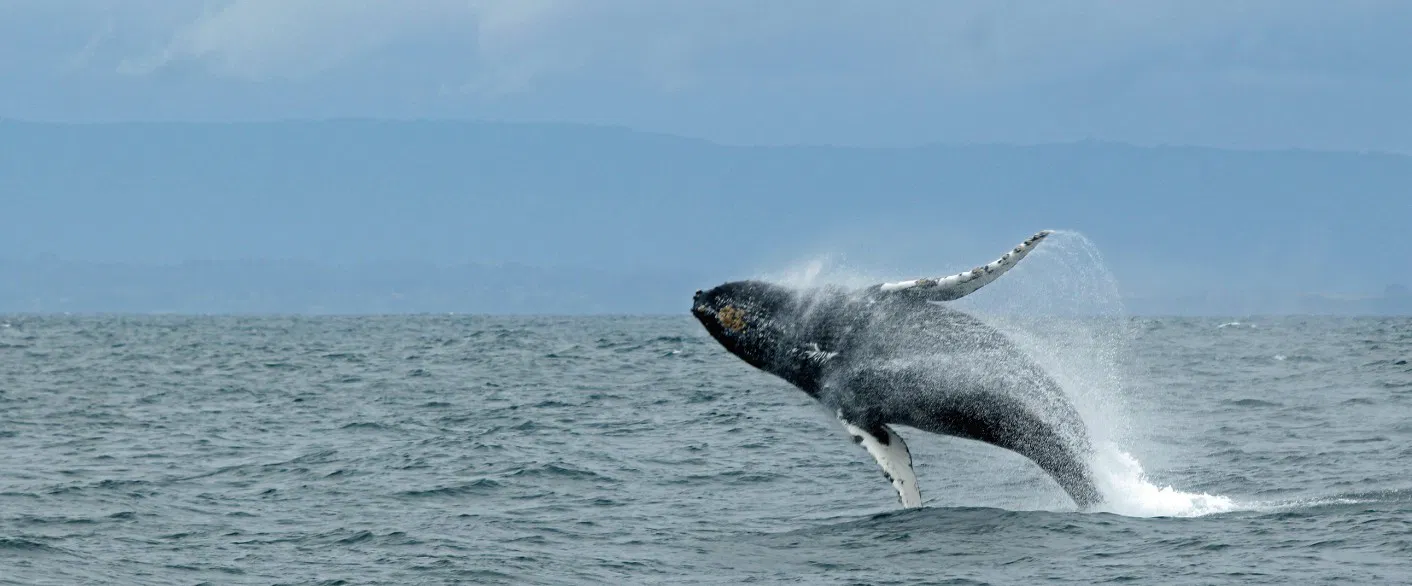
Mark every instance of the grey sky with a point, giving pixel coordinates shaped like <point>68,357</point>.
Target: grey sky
<point>1331,75</point>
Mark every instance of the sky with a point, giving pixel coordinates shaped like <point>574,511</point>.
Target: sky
<point>1228,73</point>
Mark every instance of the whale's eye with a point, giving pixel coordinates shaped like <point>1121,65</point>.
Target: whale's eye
<point>731,318</point>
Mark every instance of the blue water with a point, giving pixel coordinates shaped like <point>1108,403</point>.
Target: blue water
<point>453,449</point>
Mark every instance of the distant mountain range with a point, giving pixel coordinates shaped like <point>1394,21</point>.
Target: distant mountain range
<point>248,287</point>
<point>265,287</point>
<point>460,216</point>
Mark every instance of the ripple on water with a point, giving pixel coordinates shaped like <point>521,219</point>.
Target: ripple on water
<point>470,449</point>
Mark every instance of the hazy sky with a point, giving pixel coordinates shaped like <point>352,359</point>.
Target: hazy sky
<point>1318,74</point>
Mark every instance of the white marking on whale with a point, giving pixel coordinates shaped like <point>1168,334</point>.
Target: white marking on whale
<point>963,284</point>
<point>893,457</point>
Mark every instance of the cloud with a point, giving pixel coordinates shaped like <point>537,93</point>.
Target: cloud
<point>957,46</point>
<point>962,45</point>
<point>1248,72</point>
<point>290,39</point>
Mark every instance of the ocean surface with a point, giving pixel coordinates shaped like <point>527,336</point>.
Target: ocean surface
<point>524,450</point>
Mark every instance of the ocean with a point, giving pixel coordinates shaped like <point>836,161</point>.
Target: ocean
<point>539,450</point>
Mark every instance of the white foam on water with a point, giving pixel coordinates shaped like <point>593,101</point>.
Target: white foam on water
<point>1308,503</point>
<point>1127,491</point>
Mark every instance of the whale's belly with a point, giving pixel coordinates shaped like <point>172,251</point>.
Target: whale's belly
<point>943,371</point>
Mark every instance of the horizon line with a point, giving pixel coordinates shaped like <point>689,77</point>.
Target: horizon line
<point>610,315</point>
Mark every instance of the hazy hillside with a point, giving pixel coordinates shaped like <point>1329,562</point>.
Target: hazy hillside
<point>409,196</point>
<point>49,286</point>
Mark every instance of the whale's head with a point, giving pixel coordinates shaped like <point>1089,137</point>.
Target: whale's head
<point>753,320</point>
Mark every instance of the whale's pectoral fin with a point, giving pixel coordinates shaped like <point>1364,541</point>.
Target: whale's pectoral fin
<point>891,453</point>
<point>963,284</point>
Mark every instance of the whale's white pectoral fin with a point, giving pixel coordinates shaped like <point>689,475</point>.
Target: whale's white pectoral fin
<point>894,458</point>
<point>963,284</point>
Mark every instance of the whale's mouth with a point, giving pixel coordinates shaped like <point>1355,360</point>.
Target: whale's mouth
<point>706,315</point>
<point>701,309</point>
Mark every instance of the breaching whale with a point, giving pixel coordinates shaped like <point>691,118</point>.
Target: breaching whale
<point>896,354</point>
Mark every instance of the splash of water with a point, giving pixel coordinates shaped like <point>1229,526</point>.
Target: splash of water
<point>1129,492</point>
<point>1063,307</point>
<point>826,269</point>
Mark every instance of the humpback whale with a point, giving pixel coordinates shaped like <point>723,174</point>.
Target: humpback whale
<point>896,354</point>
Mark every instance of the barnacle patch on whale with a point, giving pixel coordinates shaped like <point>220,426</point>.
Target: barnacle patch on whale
<point>732,318</point>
